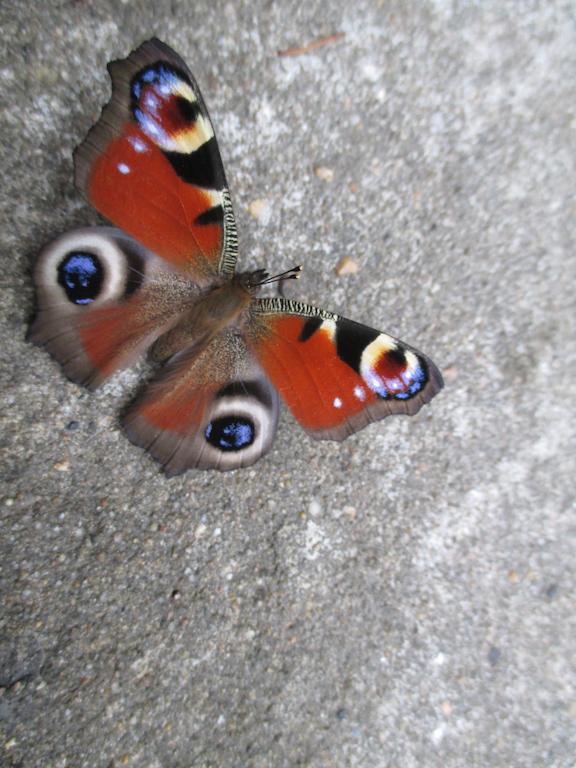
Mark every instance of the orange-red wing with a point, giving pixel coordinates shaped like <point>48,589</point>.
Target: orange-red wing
<point>152,166</point>
<point>335,375</point>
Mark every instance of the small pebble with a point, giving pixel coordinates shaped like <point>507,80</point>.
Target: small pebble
<point>261,210</point>
<point>346,266</point>
<point>200,530</point>
<point>314,508</point>
<point>438,734</point>
<point>326,174</point>
<point>512,577</point>
<point>72,426</point>
<point>62,466</point>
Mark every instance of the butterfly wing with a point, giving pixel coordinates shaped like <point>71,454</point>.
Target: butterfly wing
<point>335,375</point>
<point>102,300</point>
<point>209,409</point>
<point>151,165</point>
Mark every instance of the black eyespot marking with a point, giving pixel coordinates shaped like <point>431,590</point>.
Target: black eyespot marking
<point>309,328</point>
<point>351,340</point>
<point>189,110</point>
<point>247,389</point>
<point>396,356</point>
<point>230,433</point>
<point>202,167</point>
<point>81,275</point>
<point>214,215</point>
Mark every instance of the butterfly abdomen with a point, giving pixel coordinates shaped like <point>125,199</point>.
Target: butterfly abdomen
<point>217,310</point>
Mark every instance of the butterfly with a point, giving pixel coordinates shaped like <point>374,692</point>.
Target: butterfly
<point>166,284</point>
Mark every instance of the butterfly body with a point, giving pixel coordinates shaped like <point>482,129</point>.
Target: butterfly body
<point>220,307</point>
<point>166,284</point>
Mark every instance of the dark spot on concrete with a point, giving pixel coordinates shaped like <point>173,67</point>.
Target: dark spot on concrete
<point>551,591</point>
<point>21,659</point>
<point>494,655</point>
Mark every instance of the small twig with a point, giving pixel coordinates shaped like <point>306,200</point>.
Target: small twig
<point>318,43</point>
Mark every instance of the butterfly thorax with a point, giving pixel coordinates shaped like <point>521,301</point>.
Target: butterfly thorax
<point>217,309</point>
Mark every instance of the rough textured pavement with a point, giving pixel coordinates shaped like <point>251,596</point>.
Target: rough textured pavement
<point>405,598</point>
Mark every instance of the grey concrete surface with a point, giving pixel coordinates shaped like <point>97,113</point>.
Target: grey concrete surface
<point>405,598</point>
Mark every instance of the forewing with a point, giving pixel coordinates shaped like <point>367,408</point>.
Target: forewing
<point>208,409</point>
<point>152,166</point>
<point>336,375</point>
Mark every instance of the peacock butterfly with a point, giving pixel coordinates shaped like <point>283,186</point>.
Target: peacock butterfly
<point>166,283</point>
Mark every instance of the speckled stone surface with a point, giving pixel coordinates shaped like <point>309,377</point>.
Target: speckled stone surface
<point>404,599</point>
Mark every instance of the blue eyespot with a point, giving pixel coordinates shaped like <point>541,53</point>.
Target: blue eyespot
<point>409,384</point>
<point>230,433</point>
<point>402,387</point>
<point>81,276</point>
<point>418,381</point>
<point>160,75</point>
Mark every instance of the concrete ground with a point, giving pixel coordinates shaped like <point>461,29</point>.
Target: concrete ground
<point>405,598</point>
